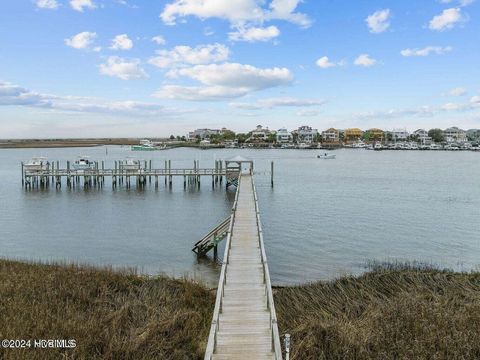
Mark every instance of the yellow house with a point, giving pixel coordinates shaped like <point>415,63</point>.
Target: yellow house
<point>353,134</point>
<point>376,134</point>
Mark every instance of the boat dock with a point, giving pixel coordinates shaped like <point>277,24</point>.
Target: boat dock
<point>141,172</point>
<point>244,324</point>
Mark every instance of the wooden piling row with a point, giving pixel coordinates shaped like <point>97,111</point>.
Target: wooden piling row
<point>53,174</point>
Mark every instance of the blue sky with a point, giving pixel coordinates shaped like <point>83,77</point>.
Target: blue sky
<point>76,68</point>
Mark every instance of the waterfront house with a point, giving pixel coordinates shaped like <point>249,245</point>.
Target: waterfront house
<point>422,136</point>
<point>260,133</point>
<point>353,134</point>
<point>331,135</point>
<point>306,134</point>
<point>284,136</point>
<point>201,134</point>
<point>375,134</point>
<point>400,134</point>
<point>454,134</point>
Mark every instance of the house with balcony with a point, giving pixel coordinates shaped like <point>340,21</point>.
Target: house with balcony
<point>306,134</point>
<point>375,134</point>
<point>284,136</point>
<point>422,136</point>
<point>331,135</point>
<point>353,134</point>
<point>260,134</point>
<point>400,134</point>
<point>454,134</point>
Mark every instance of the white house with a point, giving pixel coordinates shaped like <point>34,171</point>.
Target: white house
<point>400,134</point>
<point>422,136</point>
<point>306,134</point>
<point>204,133</point>
<point>260,133</point>
<point>454,134</point>
<point>284,136</point>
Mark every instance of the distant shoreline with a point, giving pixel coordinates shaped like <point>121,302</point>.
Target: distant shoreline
<point>63,143</point>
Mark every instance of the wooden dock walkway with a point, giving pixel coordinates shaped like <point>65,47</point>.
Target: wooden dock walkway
<point>244,324</point>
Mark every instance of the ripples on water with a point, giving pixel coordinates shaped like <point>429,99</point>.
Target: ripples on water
<point>323,218</point>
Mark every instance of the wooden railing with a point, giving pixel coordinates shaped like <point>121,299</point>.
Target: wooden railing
<point>221,228</point>
<point>212,337</point>
<point>276,348</point>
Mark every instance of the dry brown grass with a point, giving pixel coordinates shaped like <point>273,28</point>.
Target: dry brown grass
<point>398,312</point>
<point>111,315</point>
<point>395,312</point>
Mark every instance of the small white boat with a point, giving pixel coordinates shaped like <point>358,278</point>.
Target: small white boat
<point>36,164</point>
<point>83,163</point>
<point>326,156</point>
<point>130,164</point>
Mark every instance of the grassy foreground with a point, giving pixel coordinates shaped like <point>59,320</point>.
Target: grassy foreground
<point>388,313</point>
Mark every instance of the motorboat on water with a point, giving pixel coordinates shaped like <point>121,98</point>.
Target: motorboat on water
<point>326,156</point>
<point>36,164</point>
<point>83,163</point>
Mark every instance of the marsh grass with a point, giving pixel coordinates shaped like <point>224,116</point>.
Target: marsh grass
<point>111,315</point>
<point>395,311</point>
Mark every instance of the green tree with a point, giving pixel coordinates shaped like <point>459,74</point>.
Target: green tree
<point>172,137</point>
<point>242,138</point>
<point>436,135</point>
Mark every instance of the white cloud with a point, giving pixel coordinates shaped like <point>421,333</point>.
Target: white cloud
<point>475,100</point>
<point>378,21</point>
<point>122,68</point>
<point>79,5</point>
<point>285,10</point>
<point>446,20</point>
<point>253,34</point>
<point>185,55</point>
<point>365,60</point>
<point>221,81</point>
<point>458,91</point>
<point>12,95</point>
<point>461,3</point>
<point>46,4</point>
<point>325,63</point>
<point>82,40</point>
<point>236,12</point>
<point>159,40</point>
<point>439,50</point>
<point>121,42</point>
<point>270,103</point>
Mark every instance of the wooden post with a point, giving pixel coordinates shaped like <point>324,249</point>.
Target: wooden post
<point>271,174</point>
<point>150,171</point>
<point>166,167</point>
<point>23,176</point>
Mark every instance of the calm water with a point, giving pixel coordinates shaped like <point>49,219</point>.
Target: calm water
<point>323,218</point>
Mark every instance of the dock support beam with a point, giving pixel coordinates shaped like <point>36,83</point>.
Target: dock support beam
<point>271,175</point>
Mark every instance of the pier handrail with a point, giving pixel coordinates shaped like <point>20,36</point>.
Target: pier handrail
<point>276,347</point>
<point>214,231</point>
<point>212,337</point>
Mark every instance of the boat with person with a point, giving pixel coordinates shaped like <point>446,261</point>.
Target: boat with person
<point>326,156</point>
<point>36,164</point>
